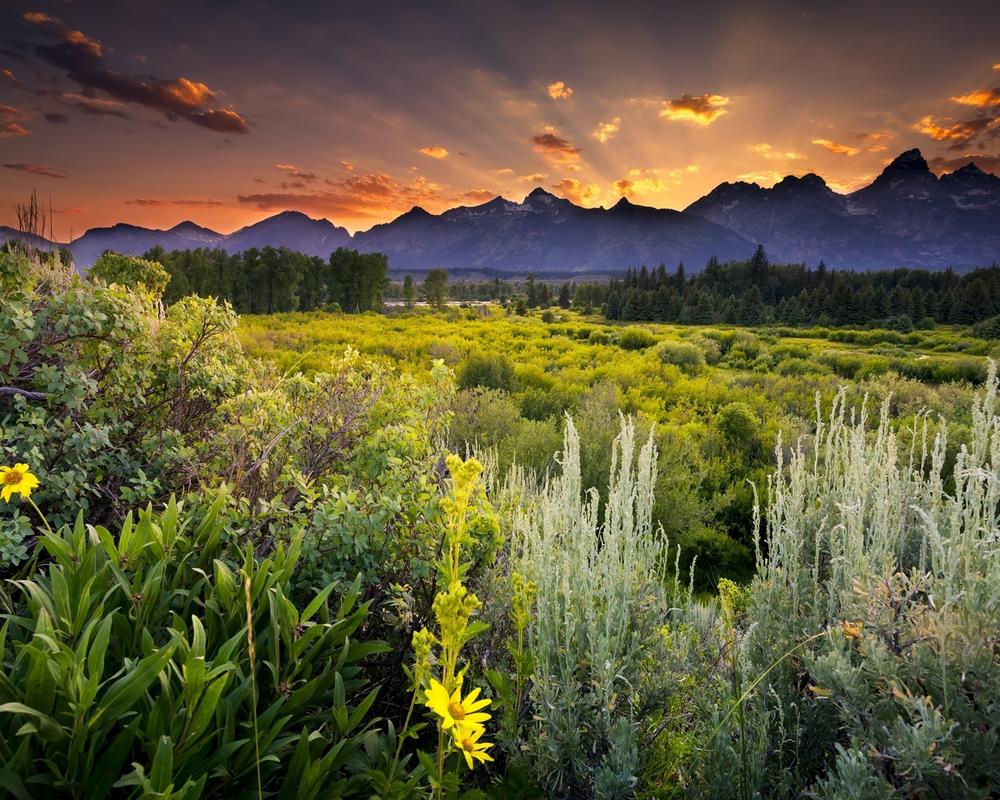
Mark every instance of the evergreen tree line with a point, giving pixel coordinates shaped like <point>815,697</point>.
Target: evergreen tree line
<point>756,292</point>
<point>273,279</point>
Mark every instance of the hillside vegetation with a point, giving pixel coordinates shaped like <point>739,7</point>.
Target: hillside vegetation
<point>471,553</point>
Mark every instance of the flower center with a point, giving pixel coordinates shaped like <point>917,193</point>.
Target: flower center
<point>12,476</point>
<point>468,746</point>
<point>456,711</point>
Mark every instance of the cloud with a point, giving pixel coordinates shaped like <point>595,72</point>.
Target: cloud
<point>38,169</point>
<point>505,171</point>
<point>876,141</point>
<point>94,106</point>
<point>10,122</point>
<point>984,162</point>
<point>577,192</point>
<point>996,66</point>
<point>356,196</point>
<point>477,196</point>
<point>980,98</point>
<point>768,152</point>
<point>434,151</point>
<point>703,109</point>
<point>559,91</point>
<point>959,133</point>
<point>835,147</point>
<point>762,177</point>
<point>534,177</point>
<point>151,202</point>
<point>55,117</point>
<point>82,58</point>
<point>606,130</point>
<point>295,172</point>
<point>652,181</point>
<point>556,148</point>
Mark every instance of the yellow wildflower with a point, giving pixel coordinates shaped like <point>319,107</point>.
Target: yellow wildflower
<point>16,480</point>
<point>852,630</point>
<point>473,749</point>
<point>464,715</point>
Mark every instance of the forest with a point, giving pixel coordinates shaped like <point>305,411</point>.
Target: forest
<point>750,293</point>
<point>261,536</point>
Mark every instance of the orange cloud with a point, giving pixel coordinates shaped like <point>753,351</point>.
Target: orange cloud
<point>477,195</point>
<point>534,177</point>
<point>556,148</point>
<point>839,149</point>
<point>38,169</point>
<point>981,98</point>
<point>372,195</point>
<point>69,35</point>
<point>768,152</point>
<point>703,109</point>
<point>10,122</point>
<point>434,151</point>
<point>577,192</point>
<point>151,202</point>
<point>559,91</point>
<point>876,141</point>
<point>956,132</point>
<point>296,173</point>
<point>652,181</point>
<point>765,176</point>
<point>82,58</point>
<point>607,130</point>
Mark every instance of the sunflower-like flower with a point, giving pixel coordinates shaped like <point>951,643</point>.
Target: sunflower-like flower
<point>16,480</point>
<point>464,715</point>
<point>473,749</point>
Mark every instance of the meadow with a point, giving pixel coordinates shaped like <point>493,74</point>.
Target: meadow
<point>471,553</point>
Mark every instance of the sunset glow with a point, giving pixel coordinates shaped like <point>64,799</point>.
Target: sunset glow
<point>471,103</point>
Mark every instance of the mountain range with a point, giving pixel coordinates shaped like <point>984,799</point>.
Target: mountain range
<point>907,217</point>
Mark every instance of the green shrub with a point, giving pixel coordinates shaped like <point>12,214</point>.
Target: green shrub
<point>881,580</point>
<point>597,337</point>
<point>164,663</point>
<point>130,272</point>
<point>487,371</point>
<point>689,357</point>
<point>601,597</point>
<point>104,395</point>
<point>635,339</point>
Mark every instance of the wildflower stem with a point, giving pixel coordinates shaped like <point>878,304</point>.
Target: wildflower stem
<point>40,514</point>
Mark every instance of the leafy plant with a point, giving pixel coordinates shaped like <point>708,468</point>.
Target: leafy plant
<point>151,664</point>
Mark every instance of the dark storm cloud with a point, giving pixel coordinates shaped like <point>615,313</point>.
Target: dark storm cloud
<point>178,98</point>
<point>37,169</point>
<point>984,162</point>
<point>556,148</point>
<point>55,117</point>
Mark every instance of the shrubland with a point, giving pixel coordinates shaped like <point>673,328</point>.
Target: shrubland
<point>470,553</point>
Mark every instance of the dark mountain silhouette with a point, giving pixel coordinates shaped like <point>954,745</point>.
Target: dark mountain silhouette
<point>907,217</point>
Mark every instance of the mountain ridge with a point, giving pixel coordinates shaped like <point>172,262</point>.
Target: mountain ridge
<point>907,216</point>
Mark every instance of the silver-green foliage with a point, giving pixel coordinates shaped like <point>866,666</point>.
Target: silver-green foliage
<point>600,599</point>
<point>892,546</point>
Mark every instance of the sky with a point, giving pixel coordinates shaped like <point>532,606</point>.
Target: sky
<point>227,112</point>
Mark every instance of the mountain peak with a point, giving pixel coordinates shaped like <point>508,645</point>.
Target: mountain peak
<point>969,169</point>
<point>538,193</point>
<point>911,161</point>
<point>809,181</point>
<point>622,204</point>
